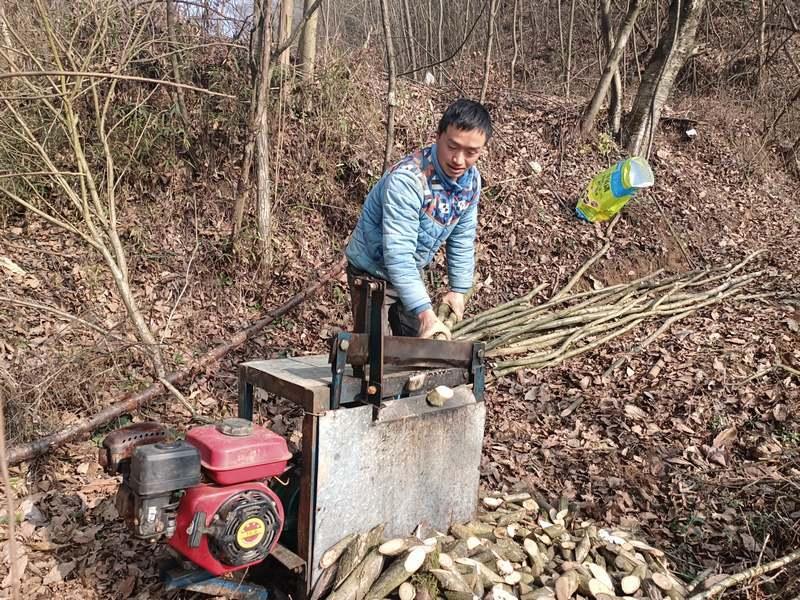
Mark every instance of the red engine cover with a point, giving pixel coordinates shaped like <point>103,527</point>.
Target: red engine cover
<point>237,450</point>
<point>246,529</point>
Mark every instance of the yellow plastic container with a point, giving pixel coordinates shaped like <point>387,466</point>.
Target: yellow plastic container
<point>611,189</point>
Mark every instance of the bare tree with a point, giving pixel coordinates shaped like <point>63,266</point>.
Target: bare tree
<point>488,52</point>
<point>675,47</point>
<point>615,94</point>
<point>410,41</point>
<point>514,23</point>
<point>61,180</point>
<point>391,102</point>
<point>308,40</point>
<point>570,32</point>
<point>591,110</point>
<point>284,29</point>
<point>261,122</point>
<point>176,71</point>
<point>5,36</point>
<point>762,43</point>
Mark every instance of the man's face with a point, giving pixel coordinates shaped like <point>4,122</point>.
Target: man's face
<point>459,149</point>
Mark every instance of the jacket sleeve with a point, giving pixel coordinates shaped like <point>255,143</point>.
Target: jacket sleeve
<point>402,203</point>
<point>461,249</point>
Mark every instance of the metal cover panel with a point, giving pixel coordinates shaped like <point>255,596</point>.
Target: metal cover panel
<point>415,464</point>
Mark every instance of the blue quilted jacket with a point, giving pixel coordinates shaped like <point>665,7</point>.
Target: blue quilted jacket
<point>407,216</point>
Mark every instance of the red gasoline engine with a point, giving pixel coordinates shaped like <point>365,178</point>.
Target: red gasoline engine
<point>208,495</point>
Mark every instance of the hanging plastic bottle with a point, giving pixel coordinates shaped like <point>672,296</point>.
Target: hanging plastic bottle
<point>611,189</point>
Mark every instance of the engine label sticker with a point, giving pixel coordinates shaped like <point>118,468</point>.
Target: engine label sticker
<point>250,533</point>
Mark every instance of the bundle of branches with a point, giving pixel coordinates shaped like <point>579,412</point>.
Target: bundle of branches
<point>518,547</point>
<point>521,334</point>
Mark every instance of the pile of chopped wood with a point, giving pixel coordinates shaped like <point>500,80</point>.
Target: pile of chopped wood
<point>518,548</point>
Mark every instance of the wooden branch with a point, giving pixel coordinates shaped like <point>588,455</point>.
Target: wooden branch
<point>117,76</point>
<point>296,31</point>
<point>43,445</point>
<point>10,510</point>
<point>63,315</point>
<point>747,574</point>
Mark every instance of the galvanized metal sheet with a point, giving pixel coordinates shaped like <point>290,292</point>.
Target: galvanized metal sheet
<point>415,464</point>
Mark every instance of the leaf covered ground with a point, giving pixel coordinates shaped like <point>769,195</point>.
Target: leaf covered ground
<point>694,442</point>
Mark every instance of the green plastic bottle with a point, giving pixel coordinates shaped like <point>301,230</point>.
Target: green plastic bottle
<point>611,189</point>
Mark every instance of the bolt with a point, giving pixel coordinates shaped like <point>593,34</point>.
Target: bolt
<point>372,390</point>
<point>480,353</point>
<point>373,286</point>
<point>344,344</point>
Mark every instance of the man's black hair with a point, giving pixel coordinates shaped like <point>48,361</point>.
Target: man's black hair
<point>466,115</point>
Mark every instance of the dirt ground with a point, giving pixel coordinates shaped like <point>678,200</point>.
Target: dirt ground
<point>694,443</point>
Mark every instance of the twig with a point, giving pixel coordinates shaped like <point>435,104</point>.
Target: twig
<point>188,272</point>
<point>43,445</point>
<point>698,579</point>
<point>675,236</point>
<point>10,510</point>
<point>64,315</point>
<point>175,392</point>
<point>579,273</point>
<point>788,369</point>
<point>92,74</point>
<point>747,574</point>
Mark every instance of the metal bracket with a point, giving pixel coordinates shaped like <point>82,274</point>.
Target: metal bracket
<point>478,373</point>
<point>198,580</point>
<point>368,300</point>
<point>341,342</point>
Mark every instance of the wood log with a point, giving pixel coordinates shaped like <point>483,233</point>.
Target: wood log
<point>399,571</point>
<point>439,395</point>
<point>324,583</point>
<point>354,553</point>
<point>450,580</point>
<point>406,591</point>
<point>131,402</point>
<point>333,553</point>
<point>566,585</point>
<point>397,546</point>
<point>361,579</point>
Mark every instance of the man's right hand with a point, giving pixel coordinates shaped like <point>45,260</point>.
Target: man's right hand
<point>430,325</point>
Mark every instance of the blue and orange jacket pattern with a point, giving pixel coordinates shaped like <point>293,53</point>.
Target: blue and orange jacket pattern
<point>408,215</point>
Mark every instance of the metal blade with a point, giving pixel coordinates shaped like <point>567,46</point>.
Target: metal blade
<point>409,351</point>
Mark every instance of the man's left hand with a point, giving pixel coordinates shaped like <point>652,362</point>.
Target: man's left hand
<point>456,303</point>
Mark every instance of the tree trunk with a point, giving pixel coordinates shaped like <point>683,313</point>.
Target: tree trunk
<point>590,113</point>
<point>285,29</point>
<point>5,36</point>
<point>308,43</point>
<point>615,97</point>
<point>412,53</point>
<point>762,43</point>
<point>176,72</point>
<point>390,59</point>
<point>243,185</point>
<point>516,44</point>
<point>672,52</point>
<point>264,202</point>
<point>488,52</point>
<point>570,32</point>
<point>439,35</point>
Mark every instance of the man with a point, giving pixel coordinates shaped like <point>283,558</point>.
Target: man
<point>428,198</point>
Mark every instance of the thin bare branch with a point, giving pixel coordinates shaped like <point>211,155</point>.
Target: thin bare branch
<point>93,74</point>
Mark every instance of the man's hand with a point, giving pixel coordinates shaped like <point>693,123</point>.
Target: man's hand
<point>430,325</point>
<point>456,303</point>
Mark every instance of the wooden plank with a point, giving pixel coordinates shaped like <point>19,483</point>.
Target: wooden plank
<point>299,382</point>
